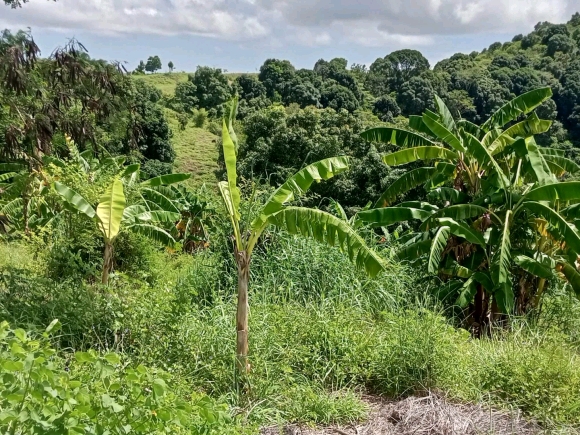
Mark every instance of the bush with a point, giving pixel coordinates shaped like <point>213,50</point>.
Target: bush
<point>215,127</point>
<point>90,393</point>
<point>155,168</point>
<point>183,120</point>
<point>320,333</point>
<point>276,144</point>
<point>200,117</point>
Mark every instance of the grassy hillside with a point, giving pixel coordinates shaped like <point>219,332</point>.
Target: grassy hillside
<point>195,147</point>
<point>196,151</point>
<point>165,82</point>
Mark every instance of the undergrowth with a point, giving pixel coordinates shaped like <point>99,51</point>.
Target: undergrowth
<point>321,334</point>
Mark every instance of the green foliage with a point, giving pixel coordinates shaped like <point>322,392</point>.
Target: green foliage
<point>50,96</point>
<point>278,144</point>
<point>274,74</point>
<point>500,226</point>
<point>484,237</point>
<point>153,64</point>
<point>200,117</point>
<point>89,393</point>
<point>388,74</point>
<point>154,138</point>
<point>208,88</point>
<point>386,108</point>
<point>320,332</point>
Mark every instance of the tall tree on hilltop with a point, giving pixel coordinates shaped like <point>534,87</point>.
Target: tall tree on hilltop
<point>153,64</point>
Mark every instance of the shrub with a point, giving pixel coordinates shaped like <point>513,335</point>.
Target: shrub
<point>183,120</point>
<point>91,393</point>
<point>155,168</point>
<point>200,117</point>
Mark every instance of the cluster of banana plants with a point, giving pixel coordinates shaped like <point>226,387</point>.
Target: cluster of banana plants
<point>499,224</point>
<point>195,214</point>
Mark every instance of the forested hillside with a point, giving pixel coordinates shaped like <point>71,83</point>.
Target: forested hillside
<point>389,249</point>
<point>390,90</point>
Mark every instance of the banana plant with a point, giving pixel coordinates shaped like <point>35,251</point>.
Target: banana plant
<point>278,211</point>
<point>112,214</point>
<point>23,204</point>
<point>499,224</point>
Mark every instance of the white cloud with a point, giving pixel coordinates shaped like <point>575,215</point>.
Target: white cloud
<point>214,18</point>
<point>312,22</point>
<point>310,37</point>
<point>425,17</point>
<point>367,34</point>
<point>141,11</point>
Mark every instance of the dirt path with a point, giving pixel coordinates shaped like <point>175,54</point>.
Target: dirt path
<point>431,415</point>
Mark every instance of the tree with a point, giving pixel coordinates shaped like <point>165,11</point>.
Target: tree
<point>407,64</point>
<point>550,30</point>
<point>279,142</point>
<point>498,216</point>
<point>461,105</point>
<point>249,87</point>
<point>207,88</point>
<point>113,215</point>
<point>170,66</point>
<point>359,71</point>
<point>149,129</point>
<point>153,64</point>
<point>186,94</point>
<point>338,97</point>
<point>388,74</point>
<point>68,93</point>
<point>415,95</point>
<point>386,108</point>
<point>301,92</point>
<point>568,99</point>
<point>140,68</point>
<point>274,74</point>
<point>560,43</point>
<point>317,224</point>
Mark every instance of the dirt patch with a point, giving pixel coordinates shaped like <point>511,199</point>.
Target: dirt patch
<point>431,415</point>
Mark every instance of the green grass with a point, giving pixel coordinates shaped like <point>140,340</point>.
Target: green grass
<point>196,152</point>
<point>165,82</point>
<point>195,148</point>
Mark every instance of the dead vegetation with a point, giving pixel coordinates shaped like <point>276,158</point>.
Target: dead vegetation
<point>429,415</point>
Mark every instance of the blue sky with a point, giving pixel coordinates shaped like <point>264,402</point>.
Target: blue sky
<point>238,35</point>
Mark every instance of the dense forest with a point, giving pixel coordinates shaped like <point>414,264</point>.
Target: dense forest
<point>214,253</point>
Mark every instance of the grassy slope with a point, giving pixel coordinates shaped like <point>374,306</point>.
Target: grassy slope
<point>195,147</point>
<point>165,82</point>
<point>196,151</point>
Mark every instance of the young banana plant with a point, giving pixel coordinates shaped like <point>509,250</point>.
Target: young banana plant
<point>112,215</point>
<point>307,222</point>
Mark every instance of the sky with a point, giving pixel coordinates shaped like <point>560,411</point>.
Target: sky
<point>238,35</point>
